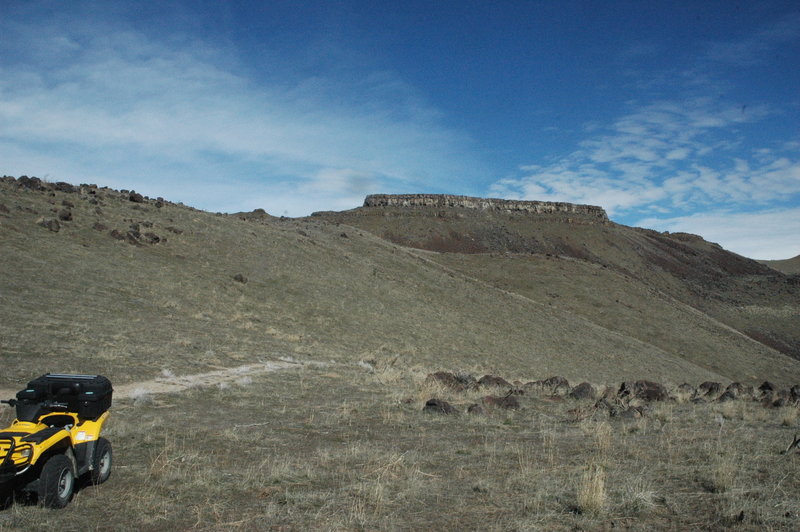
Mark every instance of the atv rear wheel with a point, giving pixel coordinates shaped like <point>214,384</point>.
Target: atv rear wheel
<point>56,482</point>
<point>101,461</point>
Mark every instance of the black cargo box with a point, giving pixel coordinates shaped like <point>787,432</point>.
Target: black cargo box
<point>87,395</point>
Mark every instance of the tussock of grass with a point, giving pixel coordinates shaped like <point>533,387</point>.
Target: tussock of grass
<point>591,491</point>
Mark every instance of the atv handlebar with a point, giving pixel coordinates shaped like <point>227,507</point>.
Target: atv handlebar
<point>45,404</point>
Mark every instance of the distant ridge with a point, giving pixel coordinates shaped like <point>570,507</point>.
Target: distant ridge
<point>468,202</point>
<point>787,266</point>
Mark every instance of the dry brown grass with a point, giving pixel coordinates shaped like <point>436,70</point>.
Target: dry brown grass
<point>333,448</point>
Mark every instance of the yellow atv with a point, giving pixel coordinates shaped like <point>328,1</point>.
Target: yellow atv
<point>55,439</point>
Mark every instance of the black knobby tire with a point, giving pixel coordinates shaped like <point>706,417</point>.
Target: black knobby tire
<point>56,482</point>
<point>6,497</point>
<point>101,461</point>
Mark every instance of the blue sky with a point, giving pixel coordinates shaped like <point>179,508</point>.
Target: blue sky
<point>678,116</point>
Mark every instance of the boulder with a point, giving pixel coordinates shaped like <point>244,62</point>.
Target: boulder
<point>727,395</point>
<point>64,187</point>
<point>643,390</point>
<point>604,405</point>
<point>557,385</point>
<point>135,197</point>
<point>709,388</point>
<point>583,391</point>
<point>766,388</point>
<point>794,391</point>
<point>492,380</point>
<point>439,406</point>
<point>49,223</point>
<point>459,382</point>
<point>31,183</point>
<point>152,238</point>
<point>65,215</point>
<point>739,390</point>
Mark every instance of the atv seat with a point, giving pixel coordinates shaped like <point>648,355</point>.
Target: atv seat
<point>61,420</point>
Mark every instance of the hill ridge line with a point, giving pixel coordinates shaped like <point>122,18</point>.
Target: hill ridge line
<point>494,204</point>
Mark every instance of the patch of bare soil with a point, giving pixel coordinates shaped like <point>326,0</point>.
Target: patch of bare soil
<point>169,383</point>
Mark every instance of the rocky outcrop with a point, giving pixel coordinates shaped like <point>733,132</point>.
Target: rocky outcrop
<point>485,204</point>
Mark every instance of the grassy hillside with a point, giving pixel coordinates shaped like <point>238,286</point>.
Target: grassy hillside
<point>787,266</point>
<point>664,279</point>
<point>81,300</point>
<point>188,311</point>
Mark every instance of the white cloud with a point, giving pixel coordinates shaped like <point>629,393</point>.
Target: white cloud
<point>138,113</point>
<point>680,155</point>
<point>770,234</point>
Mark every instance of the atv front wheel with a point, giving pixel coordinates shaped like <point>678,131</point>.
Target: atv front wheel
<point>101,461</point>
<point>56,482</point>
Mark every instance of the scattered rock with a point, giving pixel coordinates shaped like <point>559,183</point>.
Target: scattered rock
<point>583,391</point>
<point>133,236</point>
<point>3,208</point>
<point>439,406</point>
<point>687,390</point>
<point>459,382</point>
<point>117,234</point>
<point>508,402</point>
<point>31,183</point>
<point>604,405</point>
<point>174,230</point>
<point>64,187</point>
<point>99,227</point>
<point>152,238</point>
<point>739,390</point>
<point>766,388</point>
<point>239,278</point>
<point>65,215</point>
<point>49,223</point>
<point>781,402</point>
<point>135,197</point>
<point>709,388</point>
<point>67,204</point>
<point>794,391</point>
<point>644,390</point>
<point>727,395</point>
<point>492,380</point>
<point>557,385</point>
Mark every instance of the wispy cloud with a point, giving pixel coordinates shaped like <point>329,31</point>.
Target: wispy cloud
<point>770,234</point>
<point>673,155</point>
<point>668,159</point>
<point>129,111</point>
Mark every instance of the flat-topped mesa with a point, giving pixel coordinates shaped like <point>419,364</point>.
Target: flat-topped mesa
<point>493,204</point>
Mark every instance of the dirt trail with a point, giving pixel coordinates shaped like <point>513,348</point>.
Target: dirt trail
<point>179,383</point>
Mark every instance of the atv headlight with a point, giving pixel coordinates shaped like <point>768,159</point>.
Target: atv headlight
<point>25,453</point>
